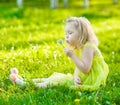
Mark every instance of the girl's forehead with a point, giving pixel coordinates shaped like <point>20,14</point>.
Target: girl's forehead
<point>70,23</point>
<point>70,26</point>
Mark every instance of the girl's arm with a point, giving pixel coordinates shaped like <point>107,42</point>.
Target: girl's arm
<point>77,80</point>
<point>86,62</point>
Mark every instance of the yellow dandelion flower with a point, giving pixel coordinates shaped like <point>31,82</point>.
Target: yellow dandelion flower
<point>76,100</point>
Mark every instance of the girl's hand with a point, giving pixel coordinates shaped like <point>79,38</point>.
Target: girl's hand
<point>77,80</point>
<point>68,52</point>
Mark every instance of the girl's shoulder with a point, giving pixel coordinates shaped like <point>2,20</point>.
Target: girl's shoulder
<point>95,47</point>
<point>91,45</point>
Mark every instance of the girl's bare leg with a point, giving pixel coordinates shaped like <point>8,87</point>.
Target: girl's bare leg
<point>41,85</point>
<point>43,82</point>
<point>38,80</point>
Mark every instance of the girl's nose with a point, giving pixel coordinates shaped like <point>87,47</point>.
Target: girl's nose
<point>67,37</point>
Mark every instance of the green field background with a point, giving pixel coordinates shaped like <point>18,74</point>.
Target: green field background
<point>28,41</point>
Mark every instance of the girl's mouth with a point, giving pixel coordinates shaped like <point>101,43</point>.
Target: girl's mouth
<point>67,41</point>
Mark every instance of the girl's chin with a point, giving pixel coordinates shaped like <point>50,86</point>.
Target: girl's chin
<point>67,42</point>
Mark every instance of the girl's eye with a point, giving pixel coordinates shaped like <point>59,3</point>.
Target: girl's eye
<point>70,32</point>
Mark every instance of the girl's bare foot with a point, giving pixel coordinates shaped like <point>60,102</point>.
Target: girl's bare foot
<point>14,78</point>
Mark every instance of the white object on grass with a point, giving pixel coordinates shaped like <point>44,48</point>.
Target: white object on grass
<point>14,77</point>
<point>86,3</point>
<point>19,3</point>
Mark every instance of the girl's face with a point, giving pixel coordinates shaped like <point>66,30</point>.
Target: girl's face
<point>72,34</point>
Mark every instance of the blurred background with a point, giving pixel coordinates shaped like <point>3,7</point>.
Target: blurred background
<point>56,3</point>
<point>29,32</point>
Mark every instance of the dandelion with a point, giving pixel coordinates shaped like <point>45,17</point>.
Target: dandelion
<point>77,100</point>
<point>60,42</point>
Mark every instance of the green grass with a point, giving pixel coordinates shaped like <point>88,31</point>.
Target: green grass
<point>28,41</point>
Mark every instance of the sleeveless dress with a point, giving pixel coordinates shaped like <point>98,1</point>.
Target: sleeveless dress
<point>98,73</point>
<point>90,81</point>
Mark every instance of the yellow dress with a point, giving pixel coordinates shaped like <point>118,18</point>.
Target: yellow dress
<point>91,81</point>
<point>98,72</point>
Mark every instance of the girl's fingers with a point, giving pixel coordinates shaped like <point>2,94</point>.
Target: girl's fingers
<point>77,81</point>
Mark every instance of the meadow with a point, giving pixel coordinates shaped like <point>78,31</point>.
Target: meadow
<point>28,41</point>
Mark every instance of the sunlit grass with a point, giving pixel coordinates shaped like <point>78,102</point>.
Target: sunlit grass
<point>28,41</point>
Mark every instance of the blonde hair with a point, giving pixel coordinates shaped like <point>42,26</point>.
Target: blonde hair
<point>86,32</point>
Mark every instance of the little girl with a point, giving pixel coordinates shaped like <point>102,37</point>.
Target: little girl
<point>91,71</point>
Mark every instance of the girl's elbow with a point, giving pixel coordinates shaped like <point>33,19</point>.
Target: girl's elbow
<point>86,70</point>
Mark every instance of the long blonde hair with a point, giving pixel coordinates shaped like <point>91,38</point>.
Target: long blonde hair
<point>85,29</point>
